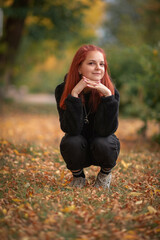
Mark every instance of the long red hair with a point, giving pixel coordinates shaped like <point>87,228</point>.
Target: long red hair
<point>73,76</point>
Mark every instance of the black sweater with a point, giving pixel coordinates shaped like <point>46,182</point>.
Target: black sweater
<point>102,123</point>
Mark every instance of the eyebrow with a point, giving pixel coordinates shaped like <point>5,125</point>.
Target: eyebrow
<point>95,60</point>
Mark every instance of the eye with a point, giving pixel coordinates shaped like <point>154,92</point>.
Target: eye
<point>91,63</point>
<point>102,64</point>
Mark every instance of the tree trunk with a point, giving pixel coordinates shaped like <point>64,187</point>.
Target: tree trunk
<point>13,31</point>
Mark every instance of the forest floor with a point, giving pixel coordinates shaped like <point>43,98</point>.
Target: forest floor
<point>36,202</point>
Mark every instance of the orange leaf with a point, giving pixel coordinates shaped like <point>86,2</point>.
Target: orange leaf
<point>16,200</point>
<point>16,152</point>
<point>3,142</point>
<point>62,175</point>
<point>68,209</point>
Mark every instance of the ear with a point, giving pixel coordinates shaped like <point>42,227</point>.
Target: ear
<point>79,70</point>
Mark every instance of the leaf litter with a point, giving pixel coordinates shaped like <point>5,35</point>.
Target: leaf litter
<point>37,203</point>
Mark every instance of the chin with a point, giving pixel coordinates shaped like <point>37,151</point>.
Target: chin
<point>96,79</point>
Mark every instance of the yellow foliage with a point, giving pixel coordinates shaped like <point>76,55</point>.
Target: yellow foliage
<point>49,64</point>
<point>8,3</point>
<point>94,16</point>
<point>95,13</point>
<point>69,4</point>
<point>31,19</point>
<point>47,22</point>
<point>36,20</point>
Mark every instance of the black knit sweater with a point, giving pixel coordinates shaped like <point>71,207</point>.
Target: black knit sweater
<point>102,123</point>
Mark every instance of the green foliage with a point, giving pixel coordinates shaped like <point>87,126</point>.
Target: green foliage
<point>36,30</point>
<point>132,30</point>
<point>131,22</point>
<point>48,19</point>
<point>137,75</point>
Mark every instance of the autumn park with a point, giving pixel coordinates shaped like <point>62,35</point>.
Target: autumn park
<point>38,40</point>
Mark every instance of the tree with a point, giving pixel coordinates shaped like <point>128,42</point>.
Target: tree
<point>132,23</point>
<point>39,20</point>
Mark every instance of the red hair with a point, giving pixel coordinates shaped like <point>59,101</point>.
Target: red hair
<point>73,76</point>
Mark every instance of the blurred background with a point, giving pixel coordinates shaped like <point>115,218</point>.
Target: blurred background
<point>38,39</point>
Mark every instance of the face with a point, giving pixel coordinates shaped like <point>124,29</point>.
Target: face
<point>93,66</point>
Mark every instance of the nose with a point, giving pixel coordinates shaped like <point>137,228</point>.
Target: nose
<point>97,66</point>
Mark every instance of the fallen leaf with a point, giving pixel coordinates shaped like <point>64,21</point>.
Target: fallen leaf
<point>3,142</point>
<point>130,235</point>
<point>125,165</point>
<point>68,209</point>
<point>4,172</point>
<point>157,190</point>
<point>4,211</point>
<point>27,185</point>
<point>139,202</point>
<point>62,175</point>
<point>16,200</point>
<point>135,194</point>
<point>16,152</point>
<point>81,239</point>
<point>151,209</point>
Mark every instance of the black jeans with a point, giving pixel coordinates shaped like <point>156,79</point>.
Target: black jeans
<point>78,152</point>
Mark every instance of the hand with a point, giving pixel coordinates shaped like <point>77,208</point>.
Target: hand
<point>98,86</point>
<point>79,88</point>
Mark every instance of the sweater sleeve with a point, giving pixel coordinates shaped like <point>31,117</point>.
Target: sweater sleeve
<point>71,119</point>
<point>106,118</point>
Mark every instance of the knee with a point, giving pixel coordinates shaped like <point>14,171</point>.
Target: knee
<point>108,147</point>
<point>105,150</point>
<point>100,143</point>
<point>106,143</point>
<point>72,142</point>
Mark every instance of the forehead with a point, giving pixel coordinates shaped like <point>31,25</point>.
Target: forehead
<point>94,55</point>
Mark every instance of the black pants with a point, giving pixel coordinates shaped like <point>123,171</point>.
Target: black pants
<point>78,152</point>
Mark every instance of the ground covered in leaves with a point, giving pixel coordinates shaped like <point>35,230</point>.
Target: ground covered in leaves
<point>36,202</point>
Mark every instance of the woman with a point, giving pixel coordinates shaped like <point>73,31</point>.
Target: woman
<point>88,106</point>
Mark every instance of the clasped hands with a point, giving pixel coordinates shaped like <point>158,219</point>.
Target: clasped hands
<point>92,84</point>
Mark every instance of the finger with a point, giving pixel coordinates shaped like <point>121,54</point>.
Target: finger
<point>92,82</point>
<point>91,86</point>
<point>89,80</point>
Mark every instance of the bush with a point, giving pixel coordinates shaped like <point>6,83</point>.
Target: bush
<point>136,72</point>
